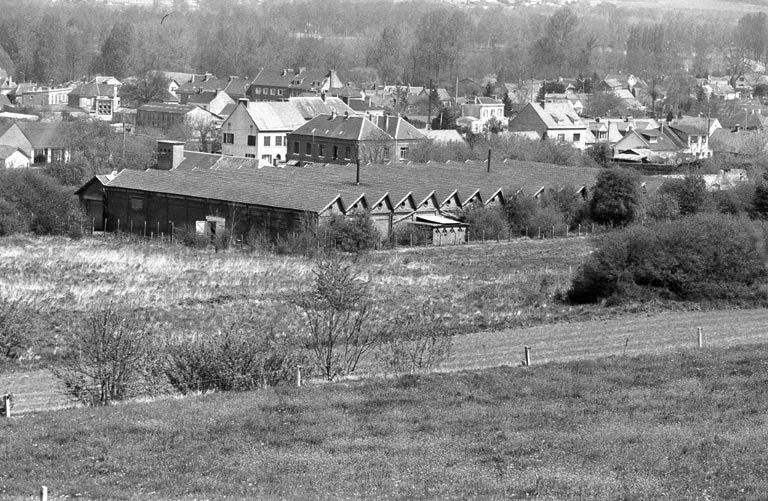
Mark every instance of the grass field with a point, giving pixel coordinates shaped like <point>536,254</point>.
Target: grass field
<point>688,425</point>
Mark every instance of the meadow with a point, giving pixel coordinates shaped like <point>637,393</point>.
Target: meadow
<point>690,424</point>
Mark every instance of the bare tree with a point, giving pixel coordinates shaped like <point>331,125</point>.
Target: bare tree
<point>14,324</point>
<point>337,311</point>
<point>107,355</point>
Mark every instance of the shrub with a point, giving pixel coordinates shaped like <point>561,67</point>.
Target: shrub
<point>690,193</point>
<point>241,357</point>
<point>707,256</point>
<point>412,234</point>
<point>663,207</point>
<point>38,202</point>
<point>486,223</point>
<point>355,233</point>
<point>417,340</point>
<point>15,336</point>
<point>616,197</point>
<point>520,209</point>
<point>187,235</point>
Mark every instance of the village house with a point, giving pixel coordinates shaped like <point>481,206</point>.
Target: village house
<point>41,142</point>
<point>661,145</point>
<point>215,101</point>
<point>32,95</point>
<point>234,86</point>
<point>281,85</point>
<point>552,123</point>
<point>211,192</point>
<point>12,157</point>
<point>405,135</point>
<point>167,116</point>
<point>99,100</point>
<point>339,139</point>
<point>481,111</point>
<point>259,130</point>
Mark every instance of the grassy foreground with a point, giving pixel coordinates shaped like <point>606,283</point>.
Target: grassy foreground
<point>690,425</point>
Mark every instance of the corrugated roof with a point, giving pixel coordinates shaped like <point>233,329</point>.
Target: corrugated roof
<point>353,128</point>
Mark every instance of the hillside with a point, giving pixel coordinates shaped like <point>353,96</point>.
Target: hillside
<point>687,425</point>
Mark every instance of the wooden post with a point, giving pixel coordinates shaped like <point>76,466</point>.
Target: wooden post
<point>171,231</point>
<point>105,225</point>
<point>527,356</point>
<point>158,228</point>
<point>553,231</point>
<point>44,493</point>
<point>540,237</point>
<point>130,225</point>
<point>145,229</point>
<point>483,236</point>
<point>93,225</point>
<point>298,376</point>
<point>118,225</point>
<point>7,405</point>
<point>579,229</point>
<point>701,338</point>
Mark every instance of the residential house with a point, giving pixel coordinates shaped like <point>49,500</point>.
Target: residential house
<point>614,82</point>
<point>234,86</point>
<point>339,139</point>
<point>406,136</point>
<point>12,157</point>
<point>667,144</point>
<point>42,142</point>
<point>695,138</point>
<point>313,106</point>
<point>99,100</point>
<point>167,116</point>
<point>31,95</point>
<point>552,123</point>
<point>282,85</point>
<point>259,129</point>
<point>482,110</point>
<point>707,124</point>
<point>214,101</point>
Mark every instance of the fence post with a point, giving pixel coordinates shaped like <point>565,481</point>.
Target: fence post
<point>93,225</point>
<point>298,376</point>
<point>540,237</point>
<point>483,235</point>
<point>527,356</point>
<point>553,231</point>
<point>579,229</point>
<point>701,338</point>
<point>172,231</point>
<point>158,227</point>
<point>118,225</point>
<point>7,404</point>
<point>44,493</point>
<point>105,225</point>
<point>145,229</point>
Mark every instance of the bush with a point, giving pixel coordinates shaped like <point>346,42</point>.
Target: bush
<point>415,341</point>
<point>701,257</point>
<point>187,235</point>
<point>355,233</point>
<point>486,223</point>
<point>520,209</point>
<point>412,234</point>
<point>242,357</point>
<point>616,197</point>
<point>15,336</point>
<point>690,193</point>
<point>37,203</point>
<point>663,207</point>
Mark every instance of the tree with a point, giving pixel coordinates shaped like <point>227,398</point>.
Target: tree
<point>690,193</point>
<point>508,105</point>
<point>15,337</point>
<point>604,104</point>
<point>337,311</point>
<point>117,51</point>
<point>351,234</point>
<point>152,87</point>
<point>616,197</point>
<point>107,355</point>
<point>445,118</point>
<point>439,42</point>
<point>49,51</point>
<point>386,55</point>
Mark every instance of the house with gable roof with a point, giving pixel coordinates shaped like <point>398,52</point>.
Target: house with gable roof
<point>259,130</point>
<point>41,142</point>
<point>553,123</point>
<point>99,97</point>
<point>480,111</point>
<point>281,85</point>
<point>405,135</point>
<point>214,101</point>
<point>339,139</point>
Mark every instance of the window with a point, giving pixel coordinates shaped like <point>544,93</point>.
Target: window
<point>403,152</point>
<point>267,158</point>
<point>137,204</point>
<point>296,147</point>
<point>576,138</point>
<point>561,137</point>
<point>346,153</point>
<point>308,149</point>
<point>279,92</point>
<point>229,138</point>
<point>271,92</point>
<point>322,150</point>
<point>267,140</point>
<point>257,90</point>
<point>250,155</point>
<point>251,140</point>
<point>278,140</point>
<point>386,154</point>
<point>335,152</point>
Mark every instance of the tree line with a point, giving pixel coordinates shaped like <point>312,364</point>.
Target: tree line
<point>408,42</point>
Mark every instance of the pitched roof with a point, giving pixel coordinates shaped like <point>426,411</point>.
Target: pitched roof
<point>181,109</point>
<point>346,127</point>
<point>7,151</point>
<point>275,115</point>
<point>302,79</point>
<point>313,106</point>
<point>398,128</point>
<point>45,134</point>
<point>94,89</point>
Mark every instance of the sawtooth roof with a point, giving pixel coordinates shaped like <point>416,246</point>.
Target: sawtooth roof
<point>315,187</point>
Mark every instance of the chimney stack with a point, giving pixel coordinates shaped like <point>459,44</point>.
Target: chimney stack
<point>169,154</point>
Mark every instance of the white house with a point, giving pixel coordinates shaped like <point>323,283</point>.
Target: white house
<point>13,158</point>
<point>259,129</point>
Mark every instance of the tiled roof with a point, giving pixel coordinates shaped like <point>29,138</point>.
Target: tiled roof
<point>398,128</point>
<point>7,151</point>
<point>353,128</point>
<point>310,107</point>
<point>44,134</point>
<point>274,115</point>
<point>313,188</point>
<point>204,97</point>
<point>93,89</point>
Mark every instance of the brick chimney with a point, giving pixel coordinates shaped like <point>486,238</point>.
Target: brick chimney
<point>169,154</point>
